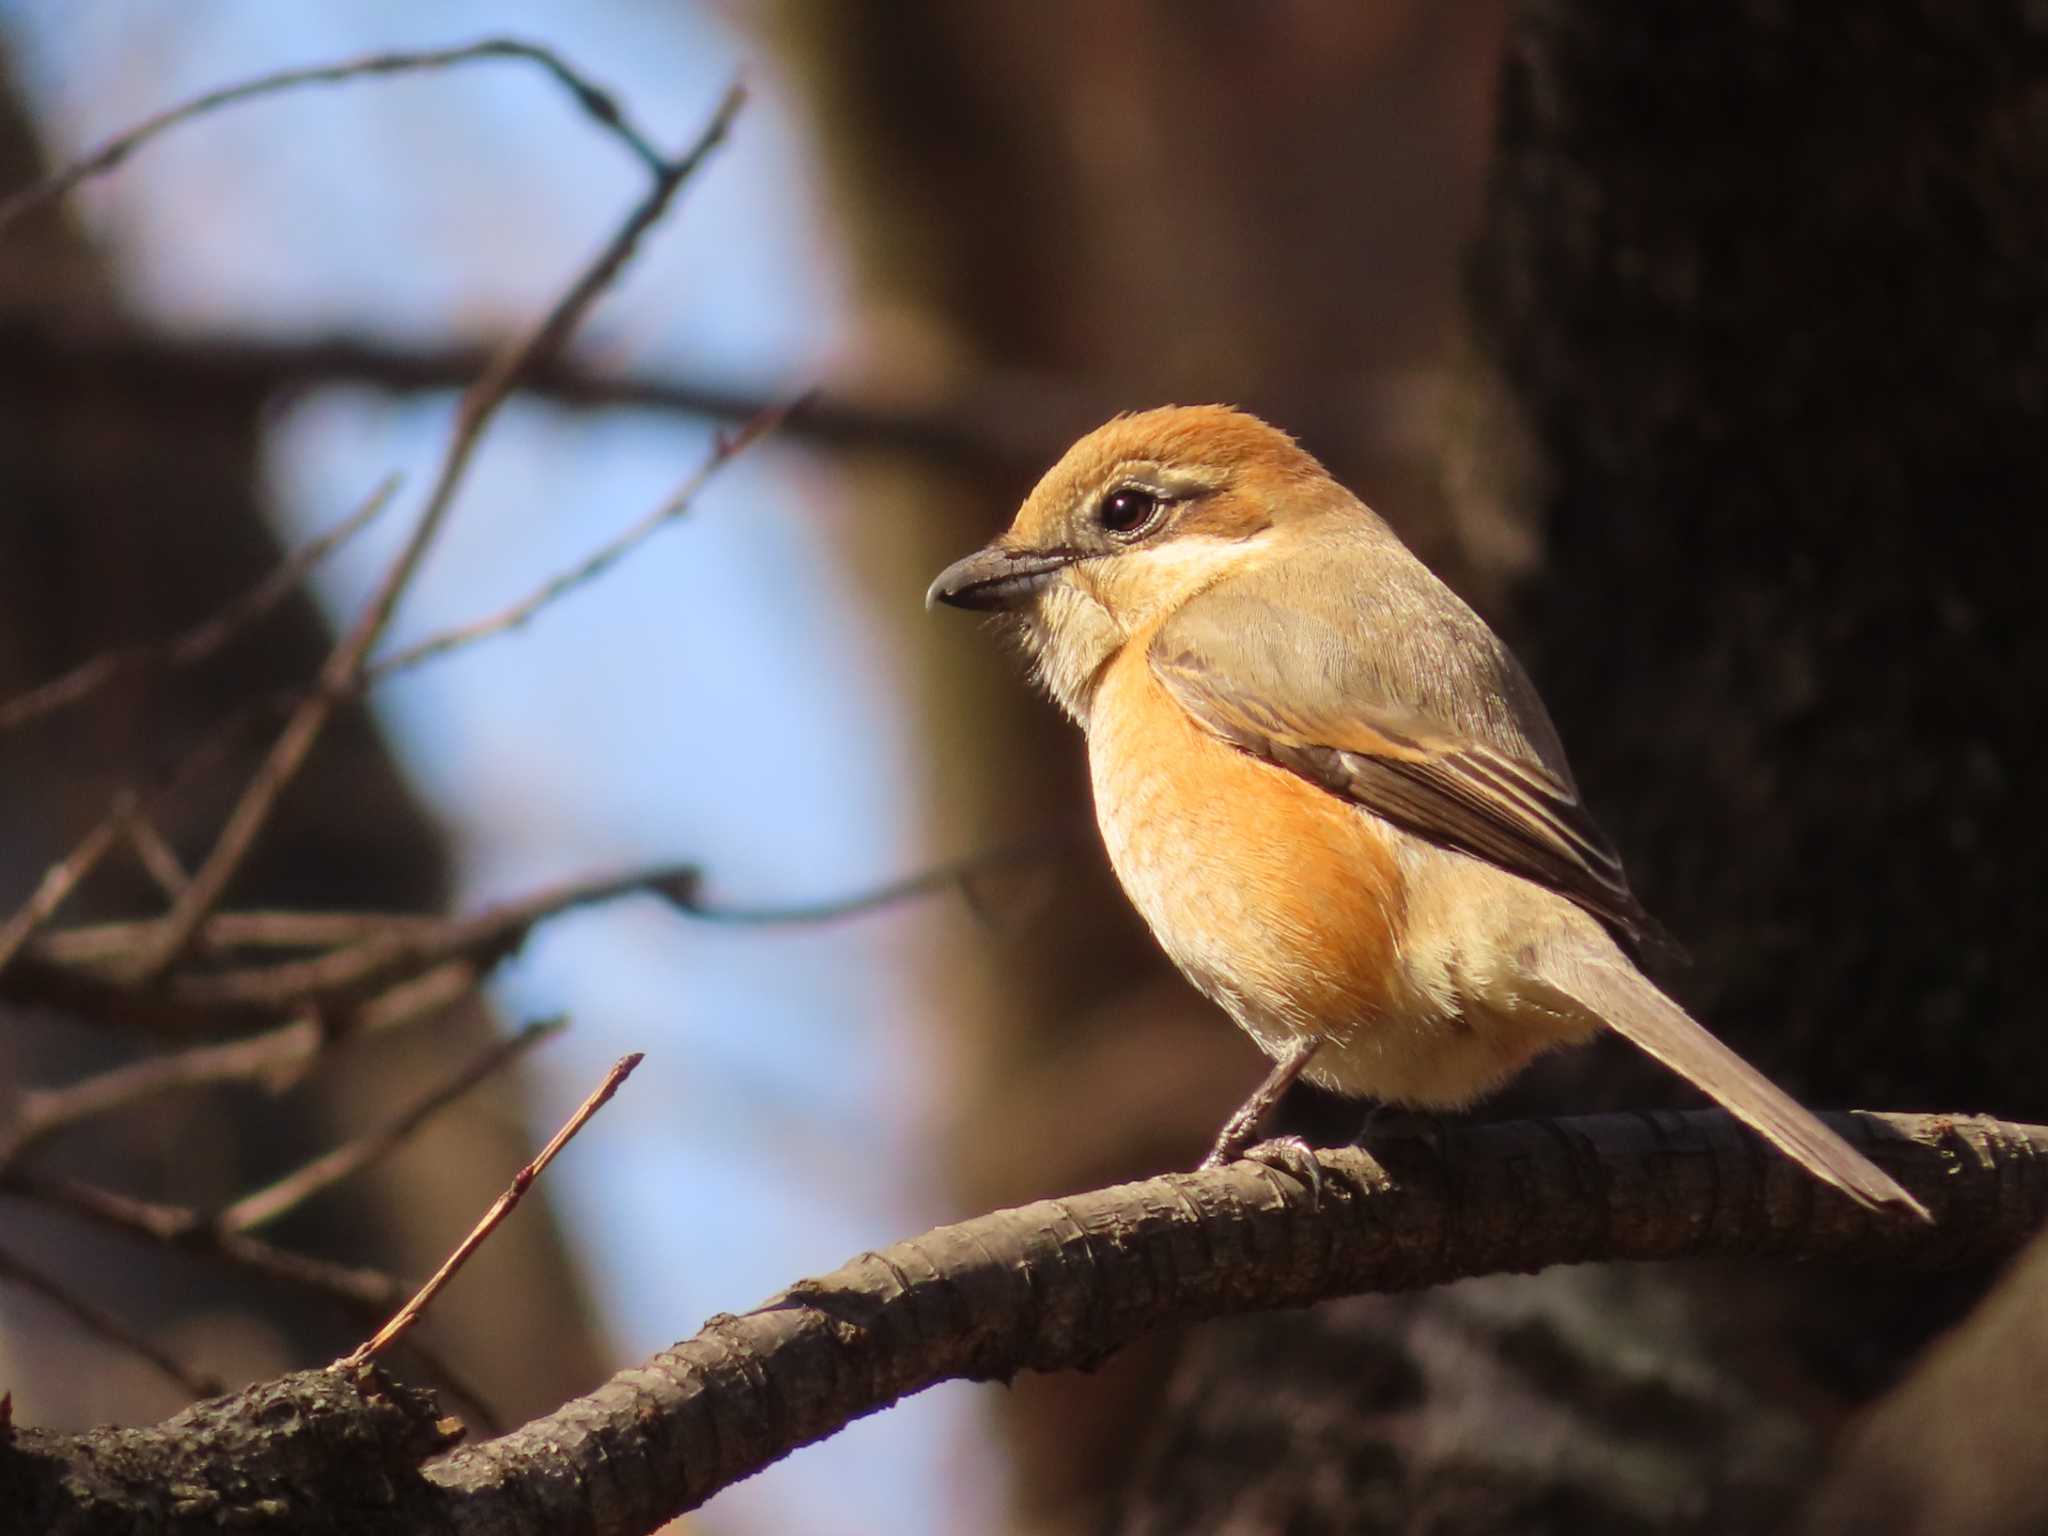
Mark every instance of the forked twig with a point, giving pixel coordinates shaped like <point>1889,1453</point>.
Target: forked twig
<point>272,1057</point>
<point>65,876</point>
<point>361,1291</point>
<point>595,101</point>
<point>128,816</point>
<point>502,1207</point>
<point>725,447</point>
<point>202,639</point>
<point>339,675</point>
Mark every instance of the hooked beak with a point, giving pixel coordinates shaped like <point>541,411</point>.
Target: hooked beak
<point>998,578</point>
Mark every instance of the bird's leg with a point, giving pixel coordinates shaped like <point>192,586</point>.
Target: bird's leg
<point>1241,1128</point>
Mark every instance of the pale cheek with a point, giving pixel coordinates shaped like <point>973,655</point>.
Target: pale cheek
<point>1070,637</point>
<point>1146,585</point>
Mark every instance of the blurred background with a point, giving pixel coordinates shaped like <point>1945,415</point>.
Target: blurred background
<point>1705,358</point>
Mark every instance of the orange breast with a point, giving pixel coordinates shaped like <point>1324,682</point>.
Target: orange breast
<point>1280,901</point>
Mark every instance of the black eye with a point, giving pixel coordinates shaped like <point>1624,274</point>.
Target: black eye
<point>1127,509</point>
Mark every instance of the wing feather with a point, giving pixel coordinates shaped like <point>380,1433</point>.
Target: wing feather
<point>1282,683</point>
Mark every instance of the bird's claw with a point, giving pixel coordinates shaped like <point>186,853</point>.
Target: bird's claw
<point>1292,1156</point>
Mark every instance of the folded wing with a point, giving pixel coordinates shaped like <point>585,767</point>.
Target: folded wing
<point>1404,703</point>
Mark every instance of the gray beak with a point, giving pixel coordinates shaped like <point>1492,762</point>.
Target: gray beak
<point>998,578</point>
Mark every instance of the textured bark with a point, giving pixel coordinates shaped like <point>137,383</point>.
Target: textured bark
<point>1051,1286</point>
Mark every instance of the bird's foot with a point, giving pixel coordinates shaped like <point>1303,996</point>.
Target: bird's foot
<point>1294,1157</point>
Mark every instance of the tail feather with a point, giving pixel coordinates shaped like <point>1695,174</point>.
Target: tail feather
<point>1634,1009</point>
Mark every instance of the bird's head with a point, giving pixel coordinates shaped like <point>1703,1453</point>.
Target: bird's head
<point>1136,518</point>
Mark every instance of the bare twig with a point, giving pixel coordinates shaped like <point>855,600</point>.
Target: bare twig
<point>274,1058</point>
<point>120,943</point>
<point>416,1000</point>
<point>331,1168</point>
<point>479,405</point>
<point>367,1290</point>
<point>500,1209</point>
<point>377,970</point>
<point>128,815</point>
<point>104,946</point>
<point>962,875</point>
<point>341,979</point>
<point>159,860</point>
<point>983,421</point>
<point>359,1291</point>
<point>726,447</point>
<point>104,1325</point>
<point>64,877</point>
<point>204,638</point>
<point>598,103</point>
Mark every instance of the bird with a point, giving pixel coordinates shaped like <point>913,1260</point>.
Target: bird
<point>1328,787</point>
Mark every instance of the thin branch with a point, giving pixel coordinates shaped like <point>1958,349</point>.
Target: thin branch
<point>414,1001</point>
<point>104,946</point>
<point>167,780</point>
<point>375,971</point>
<point>596,102</point>
<point>375,953</point>
<point>725,448</point>
<point>65,876</point>
<point>961,875</point>
<point>104,1326</point>
<point>340,979</point>
<point>159,860</point>
<point>522,1181</point>
<point>1008,424</point>
<point>128,818</point>
<point>266,1205</point>
<point>479,405</point>
<point>368,1291</point>
<point>274,1058</point>
<point>360,1291</point>
<point>204,638</point>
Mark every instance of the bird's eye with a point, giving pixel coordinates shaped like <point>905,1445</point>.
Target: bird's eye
<point>1127,509</point>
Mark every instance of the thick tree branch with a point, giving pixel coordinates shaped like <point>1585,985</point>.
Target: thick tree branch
<point>1058,1285</point>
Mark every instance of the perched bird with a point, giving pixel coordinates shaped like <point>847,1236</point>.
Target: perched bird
<point>1329,789</point>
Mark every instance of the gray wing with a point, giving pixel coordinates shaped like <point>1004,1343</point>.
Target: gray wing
<point>1350,664</point>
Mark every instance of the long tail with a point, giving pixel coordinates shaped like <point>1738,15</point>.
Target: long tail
<point>1634,1009</point>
